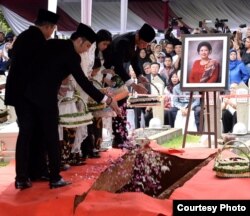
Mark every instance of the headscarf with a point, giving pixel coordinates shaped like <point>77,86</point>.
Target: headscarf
<point>233,63</point>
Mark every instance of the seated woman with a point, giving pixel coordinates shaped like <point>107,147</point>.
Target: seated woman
<point>181,102</point>
<point>228,106</point>
<point>168,92</point>
<point>237,70</point>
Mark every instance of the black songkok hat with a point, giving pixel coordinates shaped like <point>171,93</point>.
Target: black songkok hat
<point>87,32</point>
<point>46,16</point>
<point>147,33</point>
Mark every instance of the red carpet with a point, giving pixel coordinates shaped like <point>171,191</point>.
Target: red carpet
<point>42,201</point>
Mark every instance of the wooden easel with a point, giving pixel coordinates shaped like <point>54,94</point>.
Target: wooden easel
<point>202,116</point>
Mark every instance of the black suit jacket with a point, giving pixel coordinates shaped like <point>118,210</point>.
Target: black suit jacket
<point>27,45</point>
<point>57,60</point>
<point>121,51</point>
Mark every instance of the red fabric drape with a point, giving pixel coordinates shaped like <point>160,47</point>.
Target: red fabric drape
<point>166,14</point>
<point>150,11</point>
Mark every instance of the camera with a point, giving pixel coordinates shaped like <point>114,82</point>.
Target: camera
<point>220,23</point>
<point>173,21</point>
<point>243,25</point>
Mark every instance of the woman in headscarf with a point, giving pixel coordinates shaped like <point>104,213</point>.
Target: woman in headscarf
<point>237,70</point>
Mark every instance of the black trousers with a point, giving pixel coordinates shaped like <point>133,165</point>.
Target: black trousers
<point>27,150</point>
<point>138,112</point>
<point>228,120</point>
<point>148,116</point>
<point>38,165</point>
<point>94,138</point>
<point>33,120</point>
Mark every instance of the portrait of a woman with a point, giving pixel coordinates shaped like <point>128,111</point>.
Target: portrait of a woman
<point>205,69</point>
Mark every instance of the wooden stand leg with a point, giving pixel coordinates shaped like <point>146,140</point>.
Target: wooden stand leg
<point>215,121</point>
<point>208,121</point>
<point>187,120</point>
<point>202,117</point>
<point>201,128</point>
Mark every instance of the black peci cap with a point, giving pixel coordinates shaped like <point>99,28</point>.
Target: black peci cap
<point>147,33</point>
<point>87,32</point>
<point>46,16</point>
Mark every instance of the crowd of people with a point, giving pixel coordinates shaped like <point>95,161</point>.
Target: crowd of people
<point>42,70</point>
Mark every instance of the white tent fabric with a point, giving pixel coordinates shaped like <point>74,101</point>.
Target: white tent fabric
<point>19,24</point>
<point>193,11</point>
<point>105,15</point>
<point>16,22</point>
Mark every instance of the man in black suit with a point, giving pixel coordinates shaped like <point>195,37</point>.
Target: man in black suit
<point>27,45</point>
<point>60,59</point>
<point>124,51</point>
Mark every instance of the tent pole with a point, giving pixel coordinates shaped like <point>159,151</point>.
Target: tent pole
<point>86,11</point>
<point>124,15</point>
<point>52,6</point>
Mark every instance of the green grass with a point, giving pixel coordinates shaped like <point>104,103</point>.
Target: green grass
<point>176,142</point>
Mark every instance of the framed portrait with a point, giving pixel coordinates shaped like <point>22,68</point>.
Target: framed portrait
<point>205,61</point>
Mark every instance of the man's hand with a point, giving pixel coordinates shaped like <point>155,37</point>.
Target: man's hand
<point>113,104</point>
<point>108,82</point>
<point>140,89</point>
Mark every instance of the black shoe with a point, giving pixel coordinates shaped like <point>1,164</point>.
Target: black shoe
<point>60,183</point>
<point>94,155</point>
<point>23,184</point>
<point>76,160</point>
<point>64,167</point>
<point>77,163</point>
<point>117,143</point>
<point>84,157</point>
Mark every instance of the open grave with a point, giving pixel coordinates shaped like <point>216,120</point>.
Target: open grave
<point>151,169</point>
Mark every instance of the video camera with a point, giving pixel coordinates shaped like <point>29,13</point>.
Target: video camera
<point>243,25</point>
<point>173,22</point>
<point>220,23</point>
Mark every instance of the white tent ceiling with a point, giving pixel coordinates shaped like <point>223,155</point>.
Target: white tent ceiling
<point>106,14</point>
